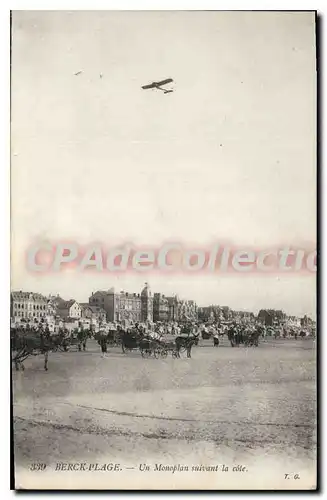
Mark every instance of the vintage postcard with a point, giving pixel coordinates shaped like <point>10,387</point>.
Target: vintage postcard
<point>163,250</point>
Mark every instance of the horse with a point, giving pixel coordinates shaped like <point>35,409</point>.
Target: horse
<point>81,336</point>
<point>185,343</point>
<point>32,343</point>
<point>60,341</point>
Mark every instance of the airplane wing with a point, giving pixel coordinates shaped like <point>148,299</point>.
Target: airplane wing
<point>151,86</point>
<point>163,82</point>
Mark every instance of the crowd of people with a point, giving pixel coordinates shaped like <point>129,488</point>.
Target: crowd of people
<point>36,337</point>
<point>206,330</point>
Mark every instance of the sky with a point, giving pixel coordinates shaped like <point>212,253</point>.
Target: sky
<point>229,155</point>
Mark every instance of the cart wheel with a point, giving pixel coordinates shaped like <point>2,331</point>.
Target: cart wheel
<point>164,353</point>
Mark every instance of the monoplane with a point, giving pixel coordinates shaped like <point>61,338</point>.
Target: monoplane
<point>158,85</point>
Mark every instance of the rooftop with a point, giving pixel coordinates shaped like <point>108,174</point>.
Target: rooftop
<point>66,304</point>
<point>20,295</point>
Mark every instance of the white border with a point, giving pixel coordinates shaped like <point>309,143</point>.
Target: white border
<point>5,149</point>
<point>164,5</point>
<point>5,250</point>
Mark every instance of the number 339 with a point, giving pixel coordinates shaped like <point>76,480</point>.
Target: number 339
<point>36,467</point>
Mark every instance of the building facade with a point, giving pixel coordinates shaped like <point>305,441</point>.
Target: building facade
<point>69,309</point>
<point>307,322</point>
<point>52,306</point>
<point>173,308</point>
<point>106,300</point>
<point>215,312</point>
<point>270,317</point>
<point>187,310</point>
<point>27,306</point>
<point>122,306</point>
<point>160,308</point>
<point>128,307</point>
<point>93,313</point>
<point>146,304</point>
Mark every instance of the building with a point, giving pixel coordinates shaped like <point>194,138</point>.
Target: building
<point>121,306</point>
<point>69,309</point>
<point>192,310</point>
<point>146,304</point>
<point>160,307</point>
<point>244,316</point>
<point>55,325</point>
<point>27,306</point>
<point>106,300</point>
<point>128,307</point>
<point>292,322</point>
<point>173,308</point>
<point>214,313</point>
<point>93,313</point>
<point>52,306</point>
<point>187,310</point>
<point>307,322</point>
<point>270,317</point>
<point>205,313</point>
<point>86,310</point>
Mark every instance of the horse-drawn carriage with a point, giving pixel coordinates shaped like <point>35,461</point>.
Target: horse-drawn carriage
<point>77,339</point>
<point>148,345</point>
<point>32,342</point>
<point>156,346</point>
